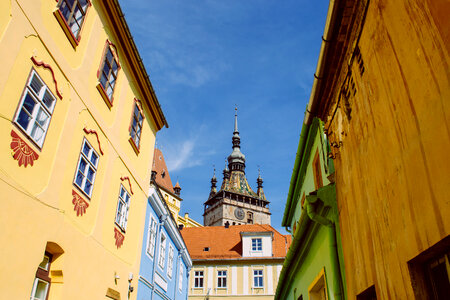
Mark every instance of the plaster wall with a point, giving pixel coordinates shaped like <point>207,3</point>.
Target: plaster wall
<point>391,171</point>
<point>37,199</point>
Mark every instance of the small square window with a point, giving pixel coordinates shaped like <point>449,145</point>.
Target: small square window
<point>35,109</point>
<point>257,244</point>
<point>123,206</point>
<point>87,169</point>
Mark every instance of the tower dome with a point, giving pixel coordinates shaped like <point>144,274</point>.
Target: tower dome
<point>236,160</point>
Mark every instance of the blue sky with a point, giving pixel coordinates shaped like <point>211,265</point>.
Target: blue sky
<point>206,56</point>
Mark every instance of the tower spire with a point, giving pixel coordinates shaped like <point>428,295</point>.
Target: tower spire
<point>236,160</point>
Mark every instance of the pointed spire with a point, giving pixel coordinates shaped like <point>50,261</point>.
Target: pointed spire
<point>236,160</point>
<point>213,183</point>
<point>226,171</point>
<point>177,188</point>
<point>259,182</point>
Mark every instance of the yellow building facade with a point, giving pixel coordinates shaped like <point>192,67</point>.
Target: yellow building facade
<point>78,124</point>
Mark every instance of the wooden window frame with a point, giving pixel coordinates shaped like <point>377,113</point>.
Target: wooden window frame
<point>258,273</point>
<point>137,121</point>
<point>109,48</point>
<point>222,279</point>
<point>64,23</point>
<point>199,279</point>
<point>317,171</point>
<point>42,275</point>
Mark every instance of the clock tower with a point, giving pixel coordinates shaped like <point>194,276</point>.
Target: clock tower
<point>236,203</point>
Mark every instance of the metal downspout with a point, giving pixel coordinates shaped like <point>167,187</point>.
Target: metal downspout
<point>335,268</point>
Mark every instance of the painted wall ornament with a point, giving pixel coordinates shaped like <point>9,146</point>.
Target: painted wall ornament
<point>23,153</point>
<point>91,131</point>
<point>80,205</point>
<point>129,182</point>
<point>119,238</point>
<point>48,67</point>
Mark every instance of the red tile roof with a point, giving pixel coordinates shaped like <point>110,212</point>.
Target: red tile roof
<point>162,176</point>
<point>225,243</point>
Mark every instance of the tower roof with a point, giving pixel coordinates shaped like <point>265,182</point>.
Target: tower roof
<point>162,176</point>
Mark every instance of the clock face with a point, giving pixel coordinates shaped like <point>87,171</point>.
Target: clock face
<point>239,213</point>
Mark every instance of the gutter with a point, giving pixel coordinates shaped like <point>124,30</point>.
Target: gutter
<point>318,75</point>
<point>136,54</point>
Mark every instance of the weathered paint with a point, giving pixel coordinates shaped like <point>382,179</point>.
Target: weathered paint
<point>392,136</point>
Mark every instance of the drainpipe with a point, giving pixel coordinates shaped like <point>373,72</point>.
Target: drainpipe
<point>311,199</point>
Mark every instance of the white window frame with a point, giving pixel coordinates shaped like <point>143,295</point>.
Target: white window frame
<point>170,261</point>
<point>258,273</point>
<point>199,278</point>
<point>39,109</point>
<point>221,279</point>
<point>89,165</point>
<point>162,250</point>
<point>123,207</point>
<point>151,238</point>
<point>257,245</point>
<point>180,278</point>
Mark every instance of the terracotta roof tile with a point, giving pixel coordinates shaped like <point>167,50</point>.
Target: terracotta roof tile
<point>225,243</point>
<point>162,176</point>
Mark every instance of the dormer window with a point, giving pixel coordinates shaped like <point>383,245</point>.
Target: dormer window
<point>206,249</point>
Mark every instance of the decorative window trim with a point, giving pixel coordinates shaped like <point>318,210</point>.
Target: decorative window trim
<point>121,218</point>
<point>91,131</point>
<point>48,67</point>
<point>89,163</point>
<point>108,46</point>
<point>129,183</point>
<point>319,281</point>
<point>74,40</point>
<point>151,237</point>
<point>80,205</point>
<point>39,105</point>
<point>24,154</point>
<point>119,237</point>
<point>42,276</point>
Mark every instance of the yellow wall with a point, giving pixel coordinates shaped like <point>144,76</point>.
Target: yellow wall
<point>37,200</point>
<point>239,280</point>
<point>392,174</point>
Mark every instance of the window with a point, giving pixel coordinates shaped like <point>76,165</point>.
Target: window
<point>35,109</point>
<point>257,244</point>
<point>318,289</point>
<point>180,279</point>
<point>162,251</point>
<point>170,262</point>
<point>136,128</point>
<point>151,237</point>
<point>108,75</point>
<point>42,281</point>
<point>123,205</point>
<point>249,217</point>
<point>198,279</point>
<point>87,168</point>
<point>430,272</point>
<point>258,279</point>
<point>317,171</point>
<point>368,294</point>
<point>221,279</point>
<point>73,12</point>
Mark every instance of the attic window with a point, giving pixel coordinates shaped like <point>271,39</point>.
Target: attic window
<point>163,174</point>
<point>206,249</point>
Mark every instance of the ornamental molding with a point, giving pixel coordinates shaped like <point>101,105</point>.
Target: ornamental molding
<point>119,238</point>
<point>22,152</point>
<point>129,183</point>
<point>48,67</point>
<point>80,205</point>
<point>91,131</point>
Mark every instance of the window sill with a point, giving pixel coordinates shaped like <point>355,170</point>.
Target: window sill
<point>81,191</point>
<point>104,96</point>
<point>62,22</point>
<point>133,145</point>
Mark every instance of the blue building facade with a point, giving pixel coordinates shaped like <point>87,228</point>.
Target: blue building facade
<point>165,261</point>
